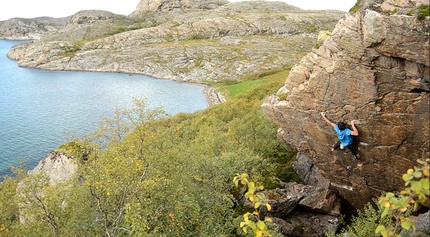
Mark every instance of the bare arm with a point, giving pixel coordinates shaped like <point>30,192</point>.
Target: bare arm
<point>354,129</point>
<point>327,120</point>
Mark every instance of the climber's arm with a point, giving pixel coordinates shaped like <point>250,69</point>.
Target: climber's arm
<point>354,129</point>
<point>327,120</point>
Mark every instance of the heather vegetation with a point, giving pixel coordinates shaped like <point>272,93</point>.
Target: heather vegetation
<point>145,174</point>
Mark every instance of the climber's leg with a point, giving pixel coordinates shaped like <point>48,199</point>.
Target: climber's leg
<point>335,146</point>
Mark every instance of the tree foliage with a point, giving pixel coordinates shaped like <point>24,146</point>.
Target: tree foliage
<point>145,174</point>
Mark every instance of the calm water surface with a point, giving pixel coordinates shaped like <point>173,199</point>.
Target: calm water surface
<point>38,109</point>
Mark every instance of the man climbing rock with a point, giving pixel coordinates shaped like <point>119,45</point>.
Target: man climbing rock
<point>345,135</point>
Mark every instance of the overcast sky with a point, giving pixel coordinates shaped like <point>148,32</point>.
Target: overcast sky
<point>58,8</point>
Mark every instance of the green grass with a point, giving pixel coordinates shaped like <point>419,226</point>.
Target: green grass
<point>232,90</point>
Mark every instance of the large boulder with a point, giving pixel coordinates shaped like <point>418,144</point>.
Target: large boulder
<point>373,69</point>
<point>291,195</point>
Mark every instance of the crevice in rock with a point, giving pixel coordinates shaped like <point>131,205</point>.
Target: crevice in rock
<point>419,91</point>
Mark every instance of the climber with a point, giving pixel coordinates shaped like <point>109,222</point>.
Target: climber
<point>345,135</point>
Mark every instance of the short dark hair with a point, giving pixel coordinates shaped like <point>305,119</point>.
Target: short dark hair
<point>341,125</point>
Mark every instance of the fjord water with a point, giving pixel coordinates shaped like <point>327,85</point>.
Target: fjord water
<point>38,109</point>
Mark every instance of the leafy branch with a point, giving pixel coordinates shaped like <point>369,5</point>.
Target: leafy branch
<point>254,220</point>
<point>396,207</point>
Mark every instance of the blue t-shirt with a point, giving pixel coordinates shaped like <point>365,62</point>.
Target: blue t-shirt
<point>344,136</point>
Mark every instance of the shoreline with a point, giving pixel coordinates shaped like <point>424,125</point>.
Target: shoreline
<point>213,97</point>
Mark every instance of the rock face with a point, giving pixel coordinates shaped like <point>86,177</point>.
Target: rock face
<point>374,69</point>
<point>200,45</point>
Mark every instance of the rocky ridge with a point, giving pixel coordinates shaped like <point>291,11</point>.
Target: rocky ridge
<point>25,29</point>
<point>373,69</point>
<point>196,45</point>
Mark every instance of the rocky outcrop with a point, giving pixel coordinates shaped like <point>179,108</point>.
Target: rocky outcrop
<point>57,166</point>
<point>227,42</point>
<point>302,210</point>
<point>26,29</point>
<point>289,195</point>
<point>374,69</point>
<point>55,169</point>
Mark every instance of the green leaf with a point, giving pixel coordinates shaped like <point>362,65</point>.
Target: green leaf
<point>257,205</point>
<point>418,174</point>
<point>252,225</point>
<point>385,212</point>
<point>416,185</point>
<point>406,225</point>
<point>261,225</point>
<point>425,183</point>
<point>379,229</point>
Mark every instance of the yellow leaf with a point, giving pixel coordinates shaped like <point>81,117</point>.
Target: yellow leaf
<point>258,233</point>
<point>387,205</point>
<point>268,206</point>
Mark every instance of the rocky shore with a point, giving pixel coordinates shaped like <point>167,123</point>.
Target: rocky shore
<point>213,97</point>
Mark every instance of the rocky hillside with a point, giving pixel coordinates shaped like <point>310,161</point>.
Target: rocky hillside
<point>24,29</point>
<point>373,69</point>
<point>199,41</point>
